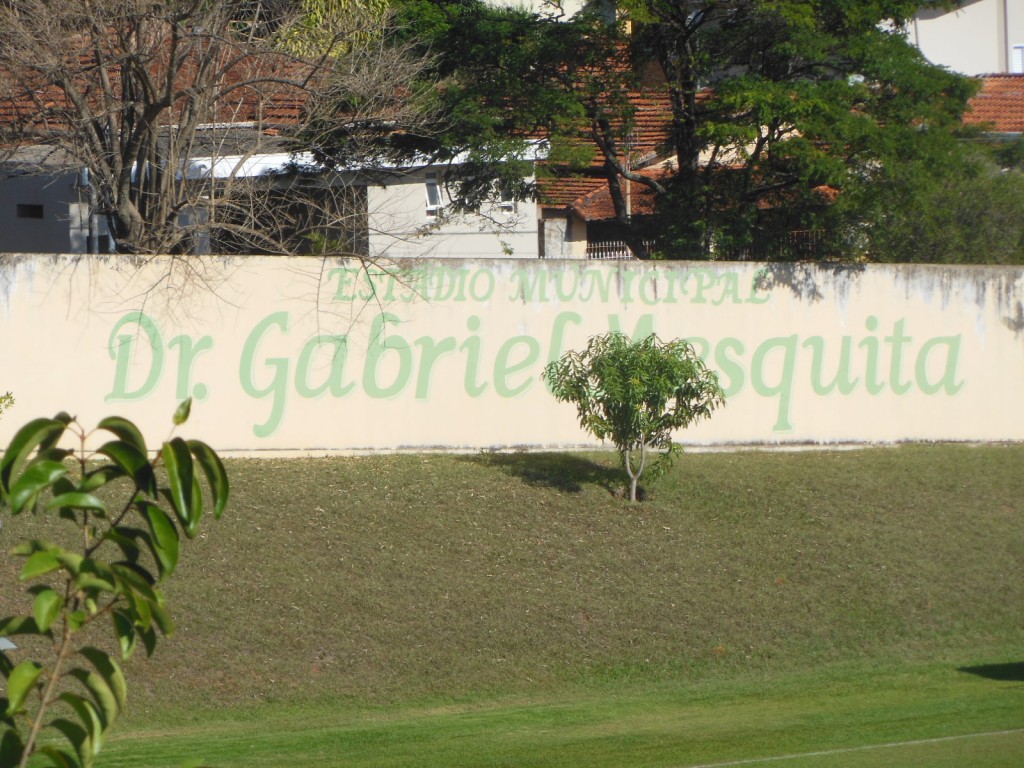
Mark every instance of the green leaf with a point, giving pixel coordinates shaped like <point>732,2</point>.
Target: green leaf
<point>72,561</point>
<point>18,625</point>
<point>124,537</point>
<point>133,579</point>
<point>40,563</point>
<point>111,673</point>
<point>11,747</point>
<point>76,619</point>
<point>133,462</point>
<point>78,500</point>
<point>96,479</point>
<point>215,473</point>
<point>79,739</point>
<point>178,461</point>
<point>26,548</point>
<point>37,433</point>
<point>59,757</point>
<point>126,431</point>
<point>90,717</point>
<point>38,476</point>
<point>140,611</point>
<point>162,619</point>
<point>182,412</point>
<point>95,574</point>
<point>106,705</point>
<point>197,508</point>
<point>21,682</point>
<point>163,537</point>
<point>149,640</point>
<point>127,637</point>
<point>46,608</point>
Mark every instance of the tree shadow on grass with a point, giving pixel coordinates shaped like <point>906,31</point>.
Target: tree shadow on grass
<point>562,471</point>
<point>1012,672</point>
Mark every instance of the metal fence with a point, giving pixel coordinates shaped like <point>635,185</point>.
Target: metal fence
<point>614,249</point>
<point>797,245</point>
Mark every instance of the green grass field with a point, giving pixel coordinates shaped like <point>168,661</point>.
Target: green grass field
<point>846,608</point>
<point>845,715</point>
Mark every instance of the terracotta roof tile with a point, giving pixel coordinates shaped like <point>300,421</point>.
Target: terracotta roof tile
<point>649,133</point>
<point>560,191</point>
<point>999,105</point>
<point>598,206</point>
<point>30,104</point>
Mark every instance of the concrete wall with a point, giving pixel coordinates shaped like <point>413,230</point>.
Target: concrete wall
<point>300,354</point>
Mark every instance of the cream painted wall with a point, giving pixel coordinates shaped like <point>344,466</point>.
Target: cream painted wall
<point>977,38</point>
<point>298,354</point>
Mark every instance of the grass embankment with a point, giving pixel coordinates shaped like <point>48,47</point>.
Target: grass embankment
<point>509,610</point>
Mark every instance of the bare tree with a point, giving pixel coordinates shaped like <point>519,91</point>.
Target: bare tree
<point>167,107</point>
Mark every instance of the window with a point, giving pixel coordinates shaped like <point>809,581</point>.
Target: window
<point>506,201</point>
<point>1017,60</point>
<point>29,211</point>
<point>433,195</point>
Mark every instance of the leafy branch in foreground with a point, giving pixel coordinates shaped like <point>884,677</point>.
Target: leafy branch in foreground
<point>636,394</point>
<point>128,527</point>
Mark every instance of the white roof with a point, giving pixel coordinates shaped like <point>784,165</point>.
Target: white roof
<point>245,166</point>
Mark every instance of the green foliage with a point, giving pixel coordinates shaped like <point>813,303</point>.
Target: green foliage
<point>959,204</point>
<point>783,101</point>
<point>128,532</point>
<point>777,108</point>
<point>6,401</point>
<point>331,27</point>
<point>501,78</point>
<point>636,394</point>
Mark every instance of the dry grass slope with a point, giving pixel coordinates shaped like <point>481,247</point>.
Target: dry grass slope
<point>418,577</point>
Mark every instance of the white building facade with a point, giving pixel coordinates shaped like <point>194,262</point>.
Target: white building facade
<point>978,37</point>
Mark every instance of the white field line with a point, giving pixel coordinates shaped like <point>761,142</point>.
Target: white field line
<point>864,748</point>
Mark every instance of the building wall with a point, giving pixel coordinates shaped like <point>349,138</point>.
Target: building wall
<point>36,213</point>
<point>399,224</point>
<point>977,38</point>
<point>403,224</point>
<point>565,8</point>
<point>301,354</point>
<point>565,235</point>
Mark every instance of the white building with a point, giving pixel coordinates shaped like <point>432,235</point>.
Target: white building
<point>978,37</point>
<point>406,212</point>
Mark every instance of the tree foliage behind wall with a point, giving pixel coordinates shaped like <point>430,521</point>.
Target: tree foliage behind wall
<point>963,205</point>
<point>776,106</point>
<point>785,118</point>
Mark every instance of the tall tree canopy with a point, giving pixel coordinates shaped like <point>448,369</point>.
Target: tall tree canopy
<point>781,112</point>
<point>778,105</point>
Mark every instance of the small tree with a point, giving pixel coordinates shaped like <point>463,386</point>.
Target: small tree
<point>127,544</point>
<point>636,394</point>
<point>6,401</point>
